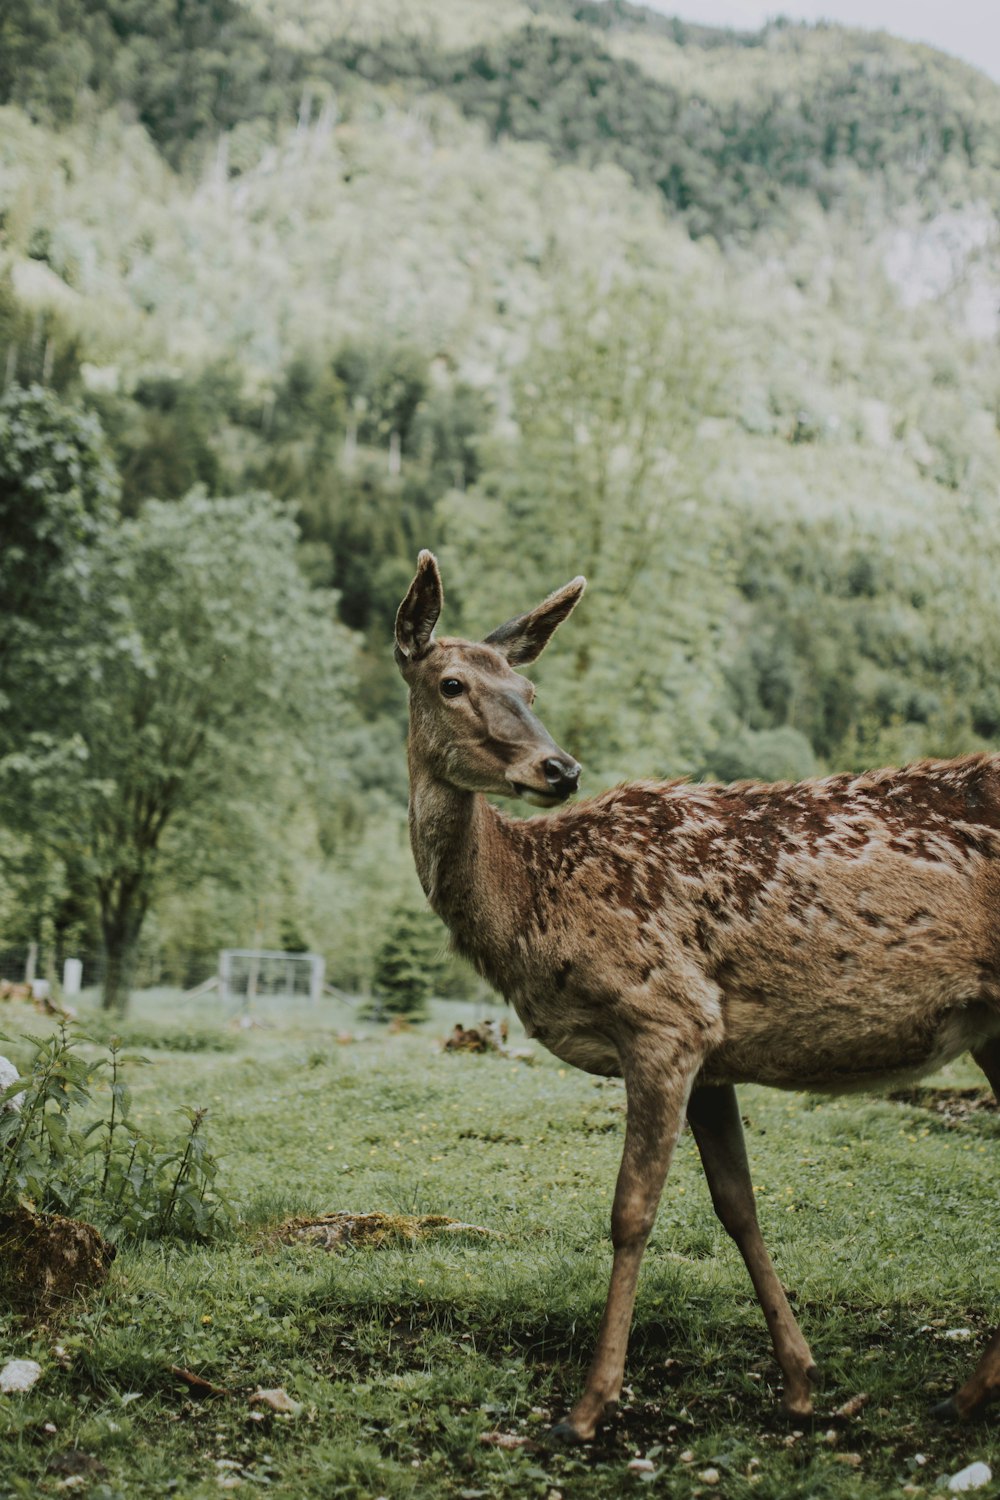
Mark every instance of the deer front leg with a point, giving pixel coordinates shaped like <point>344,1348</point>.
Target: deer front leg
<point>714,1117</point>
<point>657,1089</point>
<point>983,1385</point>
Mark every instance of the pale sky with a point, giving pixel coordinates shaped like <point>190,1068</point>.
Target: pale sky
<point>969,29</point>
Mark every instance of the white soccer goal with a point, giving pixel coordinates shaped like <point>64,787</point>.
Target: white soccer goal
<point>248,973</point>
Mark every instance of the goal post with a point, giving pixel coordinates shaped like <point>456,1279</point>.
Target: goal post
<point>246,974</point>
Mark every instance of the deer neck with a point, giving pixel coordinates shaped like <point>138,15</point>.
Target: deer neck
<point>463,850</point>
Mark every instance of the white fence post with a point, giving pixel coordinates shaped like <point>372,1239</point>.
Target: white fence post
<point>225,969</point>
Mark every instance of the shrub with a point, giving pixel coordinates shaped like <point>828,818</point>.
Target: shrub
<point>56,1154</point>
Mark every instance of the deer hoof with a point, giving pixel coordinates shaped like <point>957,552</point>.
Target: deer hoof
<point>797,1402</point>
<point>946,1411</point>
<point>563,1435</point>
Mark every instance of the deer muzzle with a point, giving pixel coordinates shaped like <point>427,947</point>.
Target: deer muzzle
<point>556,777</point>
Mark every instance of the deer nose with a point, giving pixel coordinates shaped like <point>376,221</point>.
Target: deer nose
<point>562,774</point>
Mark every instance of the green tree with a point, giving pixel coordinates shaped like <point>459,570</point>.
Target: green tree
<point>163,678</point>
<point>408,963</point>
<point>58,504</point>
<point>241,670</point>
<point>606,479</point>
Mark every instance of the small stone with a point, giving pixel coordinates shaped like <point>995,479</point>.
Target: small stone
<point>641,1466</point>
<point>277,1399</point>
<point>9,1075</point>
<point>687,1457</point>
<point>508,1440</point>
<point>971,1478</point>
<point>831,1437</point>
<point>19,1375</point>
<point>958,1334</point>
<point>709,1476</point>
<point>852,1460</point>
<point>854,1406</point>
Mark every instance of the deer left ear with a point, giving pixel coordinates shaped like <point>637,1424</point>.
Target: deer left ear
<point>524,638</point>
<point>419,611</point>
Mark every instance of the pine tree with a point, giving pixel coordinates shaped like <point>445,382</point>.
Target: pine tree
<point>408,963</point>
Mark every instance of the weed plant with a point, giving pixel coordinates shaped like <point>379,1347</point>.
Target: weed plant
<point>57,1154</point>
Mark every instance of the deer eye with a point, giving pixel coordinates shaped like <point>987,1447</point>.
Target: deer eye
<point>452,688</point>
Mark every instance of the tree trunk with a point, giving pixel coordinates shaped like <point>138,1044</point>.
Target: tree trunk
<point>117,982</point>
<point>121,923</point>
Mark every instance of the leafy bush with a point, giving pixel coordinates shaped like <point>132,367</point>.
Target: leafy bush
<point>53,1152</point>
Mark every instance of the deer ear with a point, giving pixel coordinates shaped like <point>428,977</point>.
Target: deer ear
<point>526,636</point>
<point>418,613</point>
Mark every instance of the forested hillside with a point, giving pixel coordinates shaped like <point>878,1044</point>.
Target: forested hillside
<point>551,288</point>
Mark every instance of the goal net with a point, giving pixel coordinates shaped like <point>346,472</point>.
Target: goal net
<point>248,973</point>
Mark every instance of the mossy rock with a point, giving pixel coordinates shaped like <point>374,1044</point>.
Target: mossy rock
<point>46,1259</point>
<point>336,1231</point>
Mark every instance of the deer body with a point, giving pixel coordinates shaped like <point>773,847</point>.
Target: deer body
<point>842,933</point>
<point>654,888</point>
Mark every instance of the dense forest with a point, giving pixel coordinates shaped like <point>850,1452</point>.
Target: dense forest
<point>551,288</point>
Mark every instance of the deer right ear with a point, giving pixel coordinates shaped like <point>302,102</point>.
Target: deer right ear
<point>418,613</point>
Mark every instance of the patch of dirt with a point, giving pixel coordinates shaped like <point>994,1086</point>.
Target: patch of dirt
<point>74,1463</point>
<point>954,1106</point>
<point>46,1259</point>
<point>337,1231</point>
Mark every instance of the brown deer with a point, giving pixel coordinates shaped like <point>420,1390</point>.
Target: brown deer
<point>837,934</point>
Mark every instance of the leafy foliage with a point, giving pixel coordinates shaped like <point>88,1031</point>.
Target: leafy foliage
<point>184,68</point>
<point>58,501</point>
<point>223,662</point>
<point>549,289</point>
<point>606,469</point>
<point>108,1169</point>
<point>190,72</point>
<point>723,164</point>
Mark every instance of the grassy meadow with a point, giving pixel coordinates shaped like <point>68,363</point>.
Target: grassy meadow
<point>397,1360</point>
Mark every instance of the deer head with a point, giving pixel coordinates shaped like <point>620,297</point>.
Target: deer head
<point>471,723</point>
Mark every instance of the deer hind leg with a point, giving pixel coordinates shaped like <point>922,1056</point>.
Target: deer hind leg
<point>714,1117</point>
<point>983,1385</point>
<point>656,1092</point>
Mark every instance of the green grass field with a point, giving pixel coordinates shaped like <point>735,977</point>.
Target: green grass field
<point>882,1217</point>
